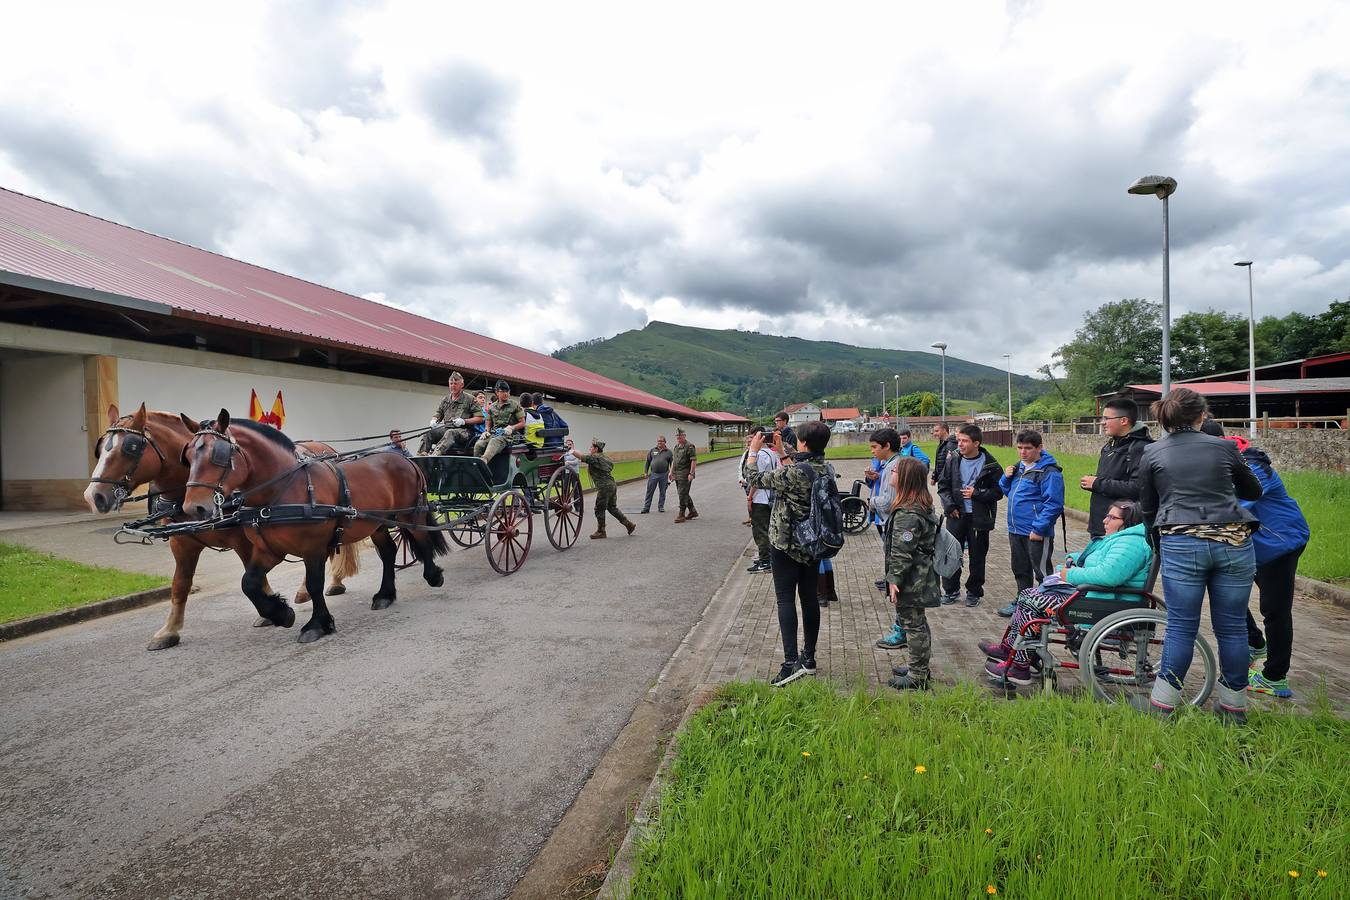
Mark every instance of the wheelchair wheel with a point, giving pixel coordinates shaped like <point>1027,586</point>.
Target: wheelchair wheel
<point>855,514</point>
<point>1121,657</point>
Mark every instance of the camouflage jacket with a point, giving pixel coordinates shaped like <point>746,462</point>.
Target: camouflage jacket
<point>791,498</point>
<point>909,559</point>
<point>601,468</point>
<point>682,456</point>
<point>451,409</point>
<point>500,415</point>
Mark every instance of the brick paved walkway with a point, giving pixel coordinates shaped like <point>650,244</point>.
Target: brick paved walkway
<point>751,649</point>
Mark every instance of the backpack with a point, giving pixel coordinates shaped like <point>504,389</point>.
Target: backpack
<point>946,553</point>
<point>821,532</point>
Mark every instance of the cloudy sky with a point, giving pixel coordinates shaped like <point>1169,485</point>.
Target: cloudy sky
<point>556,172</point>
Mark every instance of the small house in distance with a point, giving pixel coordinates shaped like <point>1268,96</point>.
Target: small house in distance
<point>801,413</point>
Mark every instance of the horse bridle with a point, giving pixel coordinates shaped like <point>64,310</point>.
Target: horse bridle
<point>222,456</point>
<point>133,448</point>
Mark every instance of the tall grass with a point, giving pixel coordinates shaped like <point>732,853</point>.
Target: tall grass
<point>804,793</point>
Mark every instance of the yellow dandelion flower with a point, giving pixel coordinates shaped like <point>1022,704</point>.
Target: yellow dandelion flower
<point>919,770</point>
<point>990,889</point>
<point>806,753</point>
<point>989,831</point>
<point>1321,873</point>
<point>867,778</point>
<point>1293,873</point>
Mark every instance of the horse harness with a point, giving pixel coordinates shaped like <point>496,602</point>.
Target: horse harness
<point>133,448</point>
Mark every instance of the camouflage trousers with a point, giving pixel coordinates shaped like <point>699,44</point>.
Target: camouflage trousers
<point>490,445</point>
<point>682,483</point>
<point>456,439</point>
<point>914,620</point>
<point>607,501</point>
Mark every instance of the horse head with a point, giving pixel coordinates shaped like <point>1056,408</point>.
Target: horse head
<point>216,466</point>
<point>123,463</point>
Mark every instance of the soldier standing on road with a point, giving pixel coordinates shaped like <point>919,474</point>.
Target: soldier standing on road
<point>601,469</point>
<point>504,418</point>
<point>452,427</point>
<point>684,459</point>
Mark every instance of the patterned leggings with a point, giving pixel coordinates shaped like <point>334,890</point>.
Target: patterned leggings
<point>1035,603</point>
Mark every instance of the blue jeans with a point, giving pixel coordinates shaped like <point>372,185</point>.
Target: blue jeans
<point>1189,566</point>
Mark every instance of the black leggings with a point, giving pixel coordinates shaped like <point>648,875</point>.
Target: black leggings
<point>1275,580</point>
<point>791,580</point>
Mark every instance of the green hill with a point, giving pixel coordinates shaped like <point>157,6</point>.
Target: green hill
<point>757,374</point>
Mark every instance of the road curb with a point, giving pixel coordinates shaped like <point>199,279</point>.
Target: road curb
<point>62,617</point>
<point>1333,594</point>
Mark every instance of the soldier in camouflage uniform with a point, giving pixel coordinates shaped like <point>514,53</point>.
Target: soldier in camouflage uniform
<point>795,572</point>
<point>505,417</point>
<point>913,526</point>
<point>452,426</point>
<point>684,458</point>
<point>601,469</point>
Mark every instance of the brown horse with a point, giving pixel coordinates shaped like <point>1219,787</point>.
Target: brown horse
<point>145,449</point>
<point>262,464</point>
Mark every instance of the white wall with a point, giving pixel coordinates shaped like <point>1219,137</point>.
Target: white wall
<point>42,402</point>
<point>625,432</point>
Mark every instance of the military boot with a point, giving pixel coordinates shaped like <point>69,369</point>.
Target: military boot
<point>631,526</point>
<point>599,535</point>
<point>680,518</point>
<point>693,514</point>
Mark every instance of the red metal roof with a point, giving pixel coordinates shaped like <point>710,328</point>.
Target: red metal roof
<point>726,418</point>
<point>839,414</point>
<point>58,250</point>
<point>1214,388</point>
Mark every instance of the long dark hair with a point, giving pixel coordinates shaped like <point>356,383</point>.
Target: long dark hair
<point>912,485</point>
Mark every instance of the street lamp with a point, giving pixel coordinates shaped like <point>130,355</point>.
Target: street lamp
<point>1251,345</point>
<point>942,345</point>
<point>897,398</point>
<point>883,397</point>
<point>1162,187</point>
<point>1008,357</point>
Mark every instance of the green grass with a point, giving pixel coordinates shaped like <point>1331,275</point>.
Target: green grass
<point>1043,797</point>
<point>632,468</point>
<point>33,583</point>
<point>1323,497</point>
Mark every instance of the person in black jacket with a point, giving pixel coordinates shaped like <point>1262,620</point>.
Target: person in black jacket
<point>970,494</point>
<point>946,447</point>
<point>1117,475</point>
<point>1189,487</point>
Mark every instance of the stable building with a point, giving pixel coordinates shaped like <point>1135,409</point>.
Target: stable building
<point>93,314</point>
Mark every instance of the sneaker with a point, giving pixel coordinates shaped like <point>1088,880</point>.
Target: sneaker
<point>1255,655</point>
<point>643,512</point>
<point>808,663</point>
<point>1260,684</point>
<point>899,670</point>
<point>758,567</point>
<point>1008,670</point>
<point>880,583</point>
<point>908,682</point>
<point>950,599</point>
<point>790,672</point>
<point>1007,611</point>
<point>972,601</point>
<point>995,650</point>
<point>896,640</point>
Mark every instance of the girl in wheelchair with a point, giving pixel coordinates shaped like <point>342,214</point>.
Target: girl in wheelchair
<point>1119,559</point>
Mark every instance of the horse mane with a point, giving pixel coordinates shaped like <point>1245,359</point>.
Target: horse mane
<point>266,432</point>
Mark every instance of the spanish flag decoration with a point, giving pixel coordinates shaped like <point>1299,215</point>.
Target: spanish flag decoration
<point>276,418</point>
<point>255,410</point>
<point>278,415</point>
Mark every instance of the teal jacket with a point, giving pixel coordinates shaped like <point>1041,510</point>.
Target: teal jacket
<point>1120,559</point>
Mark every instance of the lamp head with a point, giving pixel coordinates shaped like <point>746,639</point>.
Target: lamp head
<point>1245,262</point>
<point>1159,186</point>
<point>939,345</point>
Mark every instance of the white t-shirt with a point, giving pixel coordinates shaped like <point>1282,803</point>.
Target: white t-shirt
<point>765,461</point>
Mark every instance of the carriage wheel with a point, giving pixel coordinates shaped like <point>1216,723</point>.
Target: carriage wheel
<point>510,528</point>
<point>855,514</point>
<point>404,557</point>
<point>564,509</point>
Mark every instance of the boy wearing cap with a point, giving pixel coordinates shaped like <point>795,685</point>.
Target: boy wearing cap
<point>601,468</point>
<point>504,418</point>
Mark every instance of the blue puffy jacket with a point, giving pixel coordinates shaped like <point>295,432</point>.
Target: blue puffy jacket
<point>1035,496</point>
<point>912,449</point>
<point>1283,528</point>
<point>1122,559</point>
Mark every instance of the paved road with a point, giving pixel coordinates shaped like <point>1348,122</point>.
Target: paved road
<point>427,750</point>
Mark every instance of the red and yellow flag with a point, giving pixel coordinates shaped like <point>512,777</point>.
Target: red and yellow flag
<point>255,410</point>
<point>276,418</point>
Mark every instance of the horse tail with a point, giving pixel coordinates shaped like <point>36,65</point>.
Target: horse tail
<point>435,540</point>
<point>347,563</point>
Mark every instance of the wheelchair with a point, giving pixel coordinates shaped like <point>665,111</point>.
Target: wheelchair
<point>856,514</point>
<point>1114,645</point>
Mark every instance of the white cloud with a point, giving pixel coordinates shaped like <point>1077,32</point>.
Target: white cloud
<point>880,174</point>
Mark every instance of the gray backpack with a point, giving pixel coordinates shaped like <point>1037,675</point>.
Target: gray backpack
<point>946,553</point>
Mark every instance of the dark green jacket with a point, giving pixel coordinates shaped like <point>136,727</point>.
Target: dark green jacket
<point>601,468</point>
<point>909,559</point>
<point>791,498</point>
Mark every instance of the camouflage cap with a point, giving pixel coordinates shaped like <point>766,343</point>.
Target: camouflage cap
<point>502,386</point>
<point>598,444</point>
<point>679,431</point>
<point>455,376</point>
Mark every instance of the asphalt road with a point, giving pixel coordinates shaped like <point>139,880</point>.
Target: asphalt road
<point>425,750</point>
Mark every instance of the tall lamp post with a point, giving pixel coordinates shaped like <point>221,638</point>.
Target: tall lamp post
<point>1162,187</point>
<point>942,345</point>
<point>1008,357</point>
<point>897,398</point>
<point>1251,345</point>
<point>883,398</point>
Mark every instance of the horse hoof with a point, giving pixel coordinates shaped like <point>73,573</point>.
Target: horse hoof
<point>288,619</point>
<point>436,579</point>
<point>263,622</point>
<point>379,602</point>
<point>310,635</point>
<point>301,598</point>
<point>164,643</point>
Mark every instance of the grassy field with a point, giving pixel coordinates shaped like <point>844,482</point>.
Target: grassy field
<point>632,468</point>
<point>33,583</point>
<point>1323,496</point>
<point>805,793</point>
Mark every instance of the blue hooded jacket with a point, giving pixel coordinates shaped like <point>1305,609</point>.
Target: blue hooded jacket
<point>1283,528</point>
<point>1035,496</point>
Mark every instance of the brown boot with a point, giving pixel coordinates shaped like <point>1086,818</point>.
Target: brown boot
<point>680,518</point>
<point>825,587</point>
<point>693,513</point>
<point>630,526</point>
<point>599,535</point>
